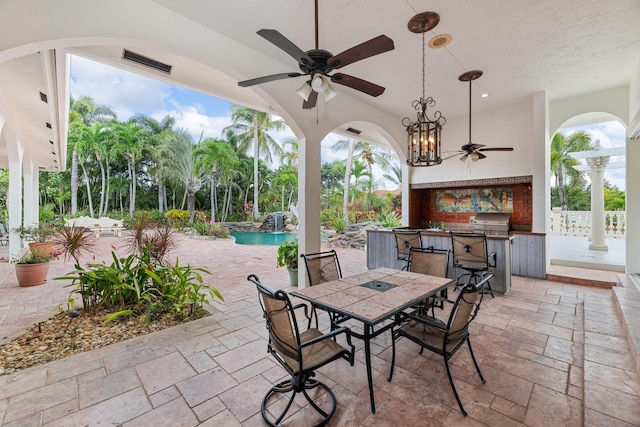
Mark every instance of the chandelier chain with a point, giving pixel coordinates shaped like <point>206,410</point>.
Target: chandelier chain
<point>423,68</point>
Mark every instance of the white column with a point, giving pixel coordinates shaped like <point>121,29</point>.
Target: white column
<point>406,184</point>
<point>597,166</point>
<point>31,193</point>
<point>308,198</point>
<point>632,238</point>
<point>14,196</point>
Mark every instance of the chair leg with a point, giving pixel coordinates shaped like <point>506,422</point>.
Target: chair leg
<point>473,357</point>
<point>453,387</point>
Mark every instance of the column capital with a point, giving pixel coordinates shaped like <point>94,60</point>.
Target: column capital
<point>598,163</point>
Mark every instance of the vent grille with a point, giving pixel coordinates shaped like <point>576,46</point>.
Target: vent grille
<point>147,62</point>
<point>43,97</point>
<point>355,131</point>
<point>48,125</point>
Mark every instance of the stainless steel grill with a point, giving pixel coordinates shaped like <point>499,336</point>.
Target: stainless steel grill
<point>492,223</point>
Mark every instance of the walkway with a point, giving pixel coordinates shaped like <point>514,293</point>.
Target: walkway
<point>552,354</point>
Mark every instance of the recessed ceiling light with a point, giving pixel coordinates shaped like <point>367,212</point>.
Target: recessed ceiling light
<point>484,95</point>
<point>441,40</point>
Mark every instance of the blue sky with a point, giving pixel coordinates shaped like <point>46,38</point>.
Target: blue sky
<point>129,93</point>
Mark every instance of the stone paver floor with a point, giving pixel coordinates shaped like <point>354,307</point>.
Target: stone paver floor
<point>552,354</point>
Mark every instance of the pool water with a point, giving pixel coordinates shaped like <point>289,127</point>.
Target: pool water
<point>258,238</point>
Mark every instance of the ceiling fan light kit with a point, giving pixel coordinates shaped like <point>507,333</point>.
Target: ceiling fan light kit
<point>424,146</point>
<point>318,63</point>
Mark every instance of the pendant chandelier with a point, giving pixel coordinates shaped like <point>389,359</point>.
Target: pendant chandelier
<point>424,134</point>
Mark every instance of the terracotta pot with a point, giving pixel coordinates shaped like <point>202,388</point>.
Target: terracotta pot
<point>32,274</point>
<point>44,248</point>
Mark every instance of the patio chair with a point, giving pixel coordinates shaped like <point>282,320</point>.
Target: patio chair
<point>322,267</point>
<point>470,254</point>
<point>434,262</point>
<point>445,338</point>
<point>405,240</point>
<point>300,354</point>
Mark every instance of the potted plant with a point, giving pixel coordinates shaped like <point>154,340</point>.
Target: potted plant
<point>38,236</point>
<point>288,257</point>
<point>32,268</point>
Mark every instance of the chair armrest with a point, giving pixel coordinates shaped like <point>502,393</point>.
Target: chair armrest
<point>435,324</point>
<point>333,333</point>
<point>305,308</point>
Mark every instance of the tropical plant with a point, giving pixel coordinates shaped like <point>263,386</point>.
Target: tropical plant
<point>288,254</point>
<point>40,232</point>
<point>35,257</point>
<point>130,141</point>
<point>251,128</point>
<point>137,285</point>
<point>562,164</point>
<point>73,242</point>
<point>389,219</point>
<point>147,236</point>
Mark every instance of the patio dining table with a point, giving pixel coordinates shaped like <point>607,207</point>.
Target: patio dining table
<point>372,297</point>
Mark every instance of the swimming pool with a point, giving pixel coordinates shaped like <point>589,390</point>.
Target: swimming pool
<point>259,238</point>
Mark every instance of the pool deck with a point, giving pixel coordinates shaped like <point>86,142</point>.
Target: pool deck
<point>552,354</point>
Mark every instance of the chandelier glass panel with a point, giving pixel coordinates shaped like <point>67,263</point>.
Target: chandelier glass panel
<point>424,134</point>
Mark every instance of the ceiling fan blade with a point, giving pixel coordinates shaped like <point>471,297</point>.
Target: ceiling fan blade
<point>358,84</point>
<point>287,45</point>
<point>496,149</point>
<point>311,102</point>
<point>471,147</point>
<point>265,79</point>
<point>362,51</point>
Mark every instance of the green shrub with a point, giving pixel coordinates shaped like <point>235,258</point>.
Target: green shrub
<point>137,285</point>
<point>389,219</point>
<point>338,223</point>
<point>178,218</point>
<point>219,232</point>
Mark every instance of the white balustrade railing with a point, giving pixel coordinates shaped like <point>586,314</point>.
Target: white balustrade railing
<point>578,223</point>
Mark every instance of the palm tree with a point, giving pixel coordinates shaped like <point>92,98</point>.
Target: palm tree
<point>84,110</point>
<point>396,177</point>
<point>349,145</point>
<point>130,140</point>
<point>562,164</point>
<point>290,158</point>
<point>216,160</point>
<point>371,155</point>
<point>156,129</point>
<point>251,128</point>
<point>177,153</point>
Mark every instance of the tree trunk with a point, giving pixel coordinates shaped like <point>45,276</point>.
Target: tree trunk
<point>74,183</point>
<point>561,196</point>
<point>212,197</point>
<point>347,181</point>
<point>160,195</point>
<point>256,153</point>
<point>86,180</point>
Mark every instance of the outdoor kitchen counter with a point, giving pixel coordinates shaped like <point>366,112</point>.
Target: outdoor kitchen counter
<point>381,252</point>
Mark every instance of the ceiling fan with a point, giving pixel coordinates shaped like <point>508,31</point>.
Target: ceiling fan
<point>471,150</point>
<point>317,64</point>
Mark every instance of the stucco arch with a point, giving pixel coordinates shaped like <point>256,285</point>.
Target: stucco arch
<point>611,102</point>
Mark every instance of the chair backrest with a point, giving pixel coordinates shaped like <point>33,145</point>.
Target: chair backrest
<point>322,267</point>
<point>405,240</point>
<point>434,262</point>
<point>470,250</point>
<point>2,230</point>
<point>284,336</point>
<point>464,310</point>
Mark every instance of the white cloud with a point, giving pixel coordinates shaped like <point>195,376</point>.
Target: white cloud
<point>126,93</point>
